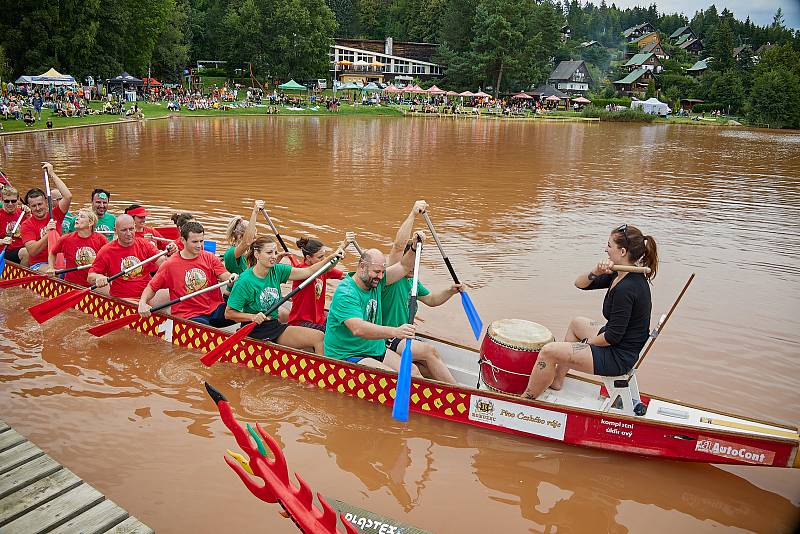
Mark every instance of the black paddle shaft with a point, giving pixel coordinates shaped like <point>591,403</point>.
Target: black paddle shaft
<point>275,230</point>
<point>441,248</point>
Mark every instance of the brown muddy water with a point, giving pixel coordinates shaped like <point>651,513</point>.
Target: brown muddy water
<point>522,208</point>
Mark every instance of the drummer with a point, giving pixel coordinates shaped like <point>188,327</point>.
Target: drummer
<point>614,349</point>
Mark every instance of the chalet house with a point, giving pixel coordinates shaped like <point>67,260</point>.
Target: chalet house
<point>699,67</point>
<point>634,32</point>
<point>635,83</point>
<point>571,77</point>
<point>566,32</point>
<point>683,30</point>
<point>635,46</point>
<point>644,61</point>
<point>690,44</point>
<point>655,48</point>
<point>760,52</point>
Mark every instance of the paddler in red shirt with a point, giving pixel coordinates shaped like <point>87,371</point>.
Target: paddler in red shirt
<point>192,269</point>
<point>9,216</point>
<point>308,304</point>
<point>34,230</point>
<point>122,252</point>
<point>79,247</point>
<point>139,214</point>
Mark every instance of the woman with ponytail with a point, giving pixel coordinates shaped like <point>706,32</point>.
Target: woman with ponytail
<point>613,349</point>
<point>258,289</point>
<point>308,304</point>
<point>240,234</point>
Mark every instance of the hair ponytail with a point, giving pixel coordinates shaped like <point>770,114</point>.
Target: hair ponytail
<point>639,248</point>
<point>650,258</point>
<point>309,246</point>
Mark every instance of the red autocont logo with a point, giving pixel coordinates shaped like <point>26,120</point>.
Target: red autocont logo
<point>734,451</point>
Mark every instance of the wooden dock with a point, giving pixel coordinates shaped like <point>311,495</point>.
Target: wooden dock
<point>37,494</point>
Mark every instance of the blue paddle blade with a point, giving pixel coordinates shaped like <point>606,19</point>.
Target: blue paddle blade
<point>210,246</point>
<point>2,261</point>
<point>403,389</point>
<point>472,314</point>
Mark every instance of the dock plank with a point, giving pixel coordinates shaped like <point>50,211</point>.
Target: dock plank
<point>10,438</point>
<point>27,474</point>
<point>56,512</point>
<point>16,456</point>
<point>131,526</point>
<point>36,494</point>
<point>96,520</point>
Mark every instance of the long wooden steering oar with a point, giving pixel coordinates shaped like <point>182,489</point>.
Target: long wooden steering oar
<point>403,388</point>
<point>469,308</point>
<point>274,230</point>
<point>50,308</point>
<point>5,247</point>
<point>212,356</point>
<point>663,321</point>
<point>110,326</point>
<point>34,277</point>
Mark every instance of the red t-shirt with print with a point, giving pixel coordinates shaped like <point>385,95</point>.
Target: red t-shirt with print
<point>308,304</point>
<point>79,251</point>
<point>182,276</point>
<point>7,222</point>
<point>148,230</point>
<point>33,230</point>
<point>113,258</point>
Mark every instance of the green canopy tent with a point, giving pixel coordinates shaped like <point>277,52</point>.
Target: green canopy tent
<point>292,85</point>
<point>371,87</point>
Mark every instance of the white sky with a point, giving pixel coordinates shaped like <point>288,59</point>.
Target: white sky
<point>760,11</point>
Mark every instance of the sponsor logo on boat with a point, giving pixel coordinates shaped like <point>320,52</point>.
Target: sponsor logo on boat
<point>527,419</point>
<point>618,428</point>
<point>734,451</point>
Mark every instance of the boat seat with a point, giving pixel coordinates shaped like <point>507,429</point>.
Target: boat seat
<point>623,389</point>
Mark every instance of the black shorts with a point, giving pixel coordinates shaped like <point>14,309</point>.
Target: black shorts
<point>356,359</point>
<point>608,363</point>
<point>309,324</point>
<point>216,318</point>
<point>393,342</point>
<point>12,254</point>
<point>269,330</point>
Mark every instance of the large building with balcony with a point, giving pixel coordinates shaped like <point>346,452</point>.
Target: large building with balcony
<point>364,61</point>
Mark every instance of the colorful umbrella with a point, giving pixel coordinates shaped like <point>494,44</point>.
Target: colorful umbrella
<point>522,96</point>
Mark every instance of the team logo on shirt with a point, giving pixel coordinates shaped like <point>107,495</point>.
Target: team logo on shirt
<point>195,280</point>
<point>268,298</point>
<point>42,231</point>
<point>102,228</point>
<point>65,226</point>
<point>317,288</point>
<point>130,261</point>
<point>85,256</point>
<point>10,228</point>
<point>371,311</point>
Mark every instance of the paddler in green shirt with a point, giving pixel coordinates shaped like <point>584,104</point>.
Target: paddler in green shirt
<point>240,235</point>
<point>105,220</point>
<point>355,330</point>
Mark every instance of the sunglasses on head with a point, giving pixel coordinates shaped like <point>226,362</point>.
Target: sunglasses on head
<point>623,229</point>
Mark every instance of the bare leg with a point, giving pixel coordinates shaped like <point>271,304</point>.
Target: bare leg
<point>580,328</point>
<point>23,257</point>
<point>429,357</point>
<point>571,355</point>
<point>392,359</point>
<point>302,338</point>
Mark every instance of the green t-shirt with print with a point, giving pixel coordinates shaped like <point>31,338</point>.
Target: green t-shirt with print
<point>251,294</point>
<point>351,301</point>
<point>232,265</point>
<point>394,303</point>
<point>68,224</point>
<point>105,225</point>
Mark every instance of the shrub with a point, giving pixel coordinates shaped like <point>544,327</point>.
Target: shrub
<point>626,115</point>
<point>603,102</point>
<point>706,107</point>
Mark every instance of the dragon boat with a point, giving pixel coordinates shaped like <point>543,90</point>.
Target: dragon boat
<point>583,412</point>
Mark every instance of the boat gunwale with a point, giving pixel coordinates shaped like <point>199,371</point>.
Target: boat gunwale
<point>566,409</point>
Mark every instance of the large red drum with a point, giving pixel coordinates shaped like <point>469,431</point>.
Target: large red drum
<point>508,352</point>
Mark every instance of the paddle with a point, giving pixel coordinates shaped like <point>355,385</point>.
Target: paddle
<point>630,269</point>
<point>403,388</point>
<point>5,247</point>
<point>50,308</point>
<point>211,357</point>
<point>110,326</point>
<point>32,278</point>
<point>469,308</point>
<point>274,230</point>
<point>52,235</point>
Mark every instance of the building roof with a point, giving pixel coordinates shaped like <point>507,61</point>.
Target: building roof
<point>649,47</point>
<point>680,31</point>
<point>543,91</point>
<point>565,70</point>
<point>738,50</point>
<point>682,39</point>
<point>638,59</point>
<point>634,29</point>
<point>700,65</point>
<point>587,44</point>
<point>690,42</point>
<point>632,77</point>
<point>763,48</point>
<point>645,36</point>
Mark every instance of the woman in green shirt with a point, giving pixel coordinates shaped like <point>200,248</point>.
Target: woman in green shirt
<point>240,235</point>
<point>258,289</point>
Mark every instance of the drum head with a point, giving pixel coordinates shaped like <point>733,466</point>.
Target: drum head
<point>520,334</point>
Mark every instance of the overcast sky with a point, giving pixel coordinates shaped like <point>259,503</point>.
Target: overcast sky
<point>760,11</point>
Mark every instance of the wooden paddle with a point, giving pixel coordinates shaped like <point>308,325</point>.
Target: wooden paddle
<point>50,308</point>
<point>110,326</point>
<point>32,278</point>
<point>663,321</point>
<point>403,388</point>
<point>630,269</point>
<point>212,356</point>
<point>274,230</point>
<point>5,247</point>
<point>469,308</point>
<point>52,235</point>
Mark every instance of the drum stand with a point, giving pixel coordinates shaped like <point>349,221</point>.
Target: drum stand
<point>626,388</point>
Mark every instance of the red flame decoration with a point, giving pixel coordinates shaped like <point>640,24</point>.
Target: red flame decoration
<point>296,501</point>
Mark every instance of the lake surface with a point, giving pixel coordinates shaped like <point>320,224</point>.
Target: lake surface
<point>522,208</point>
